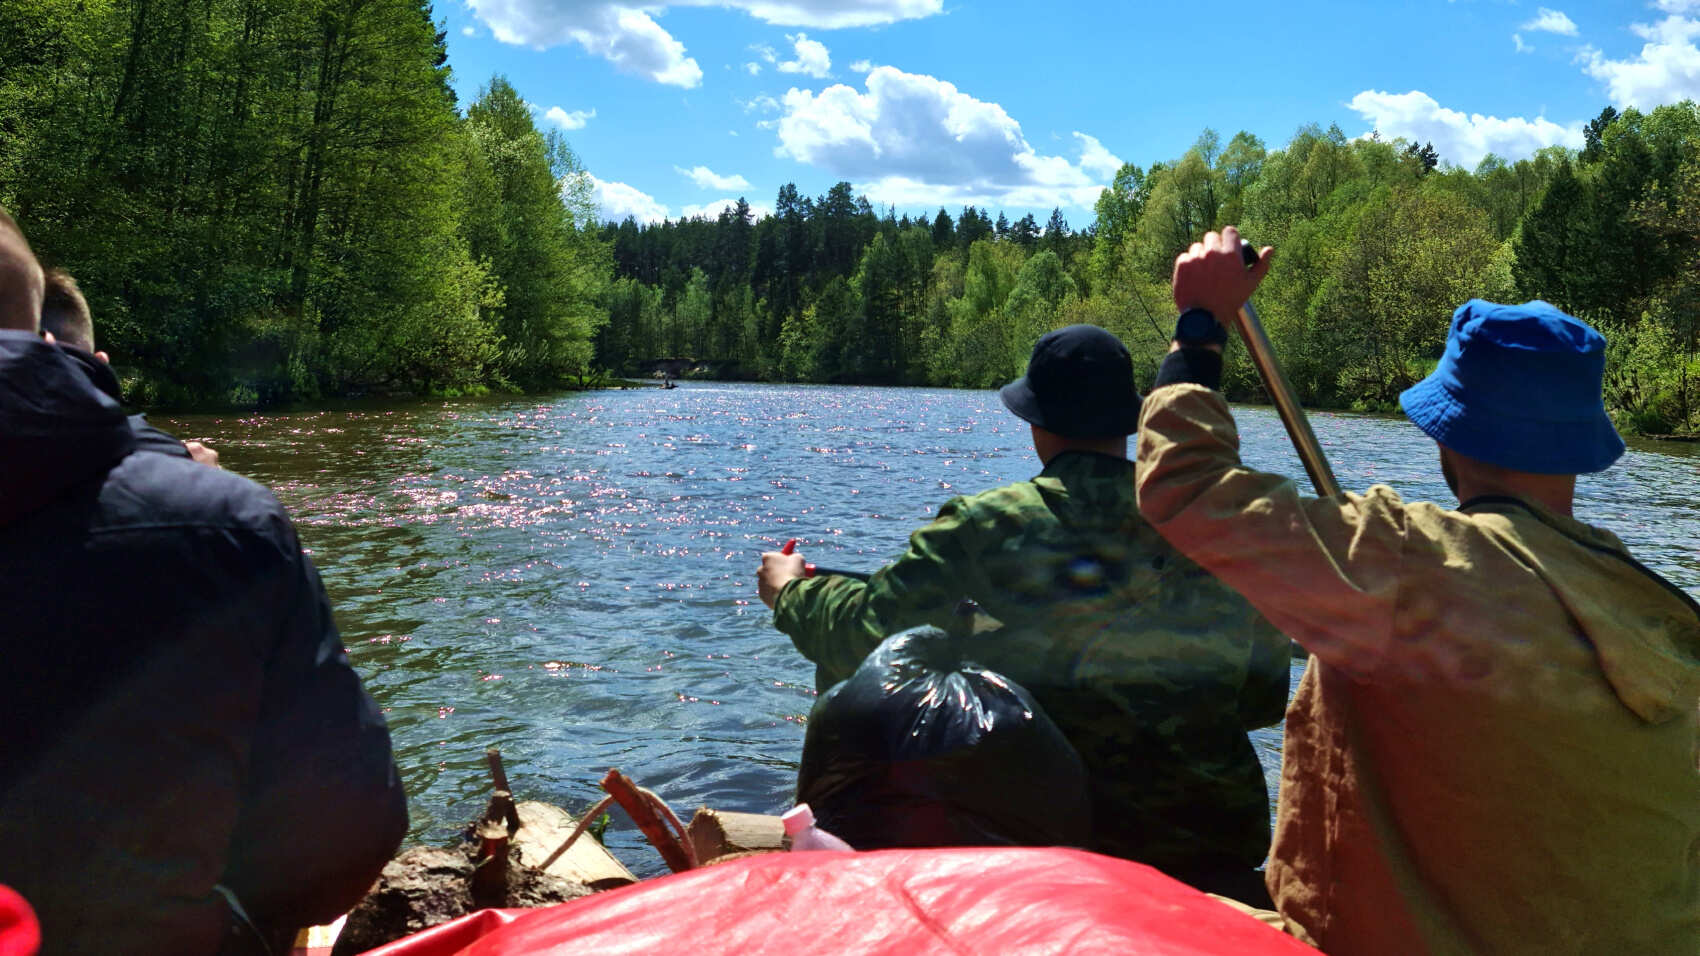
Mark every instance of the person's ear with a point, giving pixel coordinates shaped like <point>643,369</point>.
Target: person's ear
<point>103,358</point>
<point>49,339</point>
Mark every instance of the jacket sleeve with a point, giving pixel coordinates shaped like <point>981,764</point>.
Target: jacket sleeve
<point>323,808</point>
<point>836,622</point>
<point>1323,571</point>
<point>149,438</point>
<point>1263,696</point>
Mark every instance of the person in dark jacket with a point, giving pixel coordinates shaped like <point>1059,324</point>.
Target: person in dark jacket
<point>189,762</point>
<point>65,316</point>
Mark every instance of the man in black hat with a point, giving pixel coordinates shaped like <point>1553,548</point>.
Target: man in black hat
<point>1151,667</point>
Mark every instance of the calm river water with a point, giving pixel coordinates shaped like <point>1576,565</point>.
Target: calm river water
<point>572,578</point>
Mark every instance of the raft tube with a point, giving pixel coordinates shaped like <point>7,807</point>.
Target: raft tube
<point>957,900</point>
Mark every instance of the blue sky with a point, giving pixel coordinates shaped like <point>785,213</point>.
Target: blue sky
<point>676,106</point>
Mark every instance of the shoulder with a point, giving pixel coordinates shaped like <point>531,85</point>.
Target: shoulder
<point>153,491</point>
<point>1184,401</point>
<point>1020,503</point>
<point>1010,497</point>
<point>149,438</point>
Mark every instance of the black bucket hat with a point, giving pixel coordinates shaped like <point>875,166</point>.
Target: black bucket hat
<point>1079,384</point>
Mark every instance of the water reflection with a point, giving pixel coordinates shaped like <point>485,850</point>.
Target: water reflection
<point>572,579</point>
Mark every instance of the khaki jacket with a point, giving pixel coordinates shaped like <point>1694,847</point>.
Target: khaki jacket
<point>1494,747</point>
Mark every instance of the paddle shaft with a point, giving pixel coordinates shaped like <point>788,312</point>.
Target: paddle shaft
<point>1281,392</point>
<point>812,571</point>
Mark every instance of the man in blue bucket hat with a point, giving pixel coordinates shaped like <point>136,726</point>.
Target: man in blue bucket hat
<point>1493,749</point>
<point>1152,669</point>
<point>1518,389</point>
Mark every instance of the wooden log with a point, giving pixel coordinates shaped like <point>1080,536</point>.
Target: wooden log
<point>544,827</point>
<point>718,833</point>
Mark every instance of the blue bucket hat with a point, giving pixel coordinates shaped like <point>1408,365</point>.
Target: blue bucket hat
<point>1079,384</point>
<point>1519,387</point>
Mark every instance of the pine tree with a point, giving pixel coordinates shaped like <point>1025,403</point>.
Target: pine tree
<point>944,231</point>
<point>1025,232</point>
<point>1056,232</point>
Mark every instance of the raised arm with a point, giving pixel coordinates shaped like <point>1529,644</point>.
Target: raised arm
<point>1323,571</point>
<point>836,621</point>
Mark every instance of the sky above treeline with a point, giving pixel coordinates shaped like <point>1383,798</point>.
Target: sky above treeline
<point>677,107</point>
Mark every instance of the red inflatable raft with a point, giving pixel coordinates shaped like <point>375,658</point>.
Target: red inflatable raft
<point>956,901</point>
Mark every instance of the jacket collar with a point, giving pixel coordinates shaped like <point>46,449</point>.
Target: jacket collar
<point>57,428</point>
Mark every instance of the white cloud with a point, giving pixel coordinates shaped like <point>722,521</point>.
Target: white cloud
<point>1460,138</point>
<point>1667,70</point>
<point>1677,6</point>
<point>1551,21</point>
<point>706,178</point>
<point>630,39</point>
<point>753,69</point>
<point>763,102</point>
<point>468,32</point>
<point>1517,39</point>
<point>711,210</point>
<point>765,52</point>
<point>812,57</point>
<point>824,14</point>
<point>861,66</point>
<point>914,139</point>
<point>628,35</point>
<point>1095,160</point>
<point>574,120</point>
<point>619,200</point>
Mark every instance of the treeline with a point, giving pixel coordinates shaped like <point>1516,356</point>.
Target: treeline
<point>829,290</point>
<point>272,200</point>
<point>1377,244</point>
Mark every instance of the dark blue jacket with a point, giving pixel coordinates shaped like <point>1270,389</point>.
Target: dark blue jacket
<point>176,710</point>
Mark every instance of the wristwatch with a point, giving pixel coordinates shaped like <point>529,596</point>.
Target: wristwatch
<point>1199,327</point>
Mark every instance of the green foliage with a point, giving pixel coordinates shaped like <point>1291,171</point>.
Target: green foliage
<point>1378,243</point>
<point>1035,301</point>
<point>551,271</point>
<point>268,200</point>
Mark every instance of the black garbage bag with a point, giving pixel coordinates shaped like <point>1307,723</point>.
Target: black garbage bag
<point>921,747</point>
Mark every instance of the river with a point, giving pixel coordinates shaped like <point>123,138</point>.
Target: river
<point>571,578</point>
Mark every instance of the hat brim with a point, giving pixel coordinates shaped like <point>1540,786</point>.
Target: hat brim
<point>1521,443</point>
<point>1108,422</point>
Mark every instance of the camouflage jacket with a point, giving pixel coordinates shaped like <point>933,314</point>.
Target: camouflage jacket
<point>1151,667</point>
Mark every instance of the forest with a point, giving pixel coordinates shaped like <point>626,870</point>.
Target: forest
<point>271,201</point>
<point>1376,243</point>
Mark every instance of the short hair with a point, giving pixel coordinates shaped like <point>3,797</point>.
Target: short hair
<point>20,278</point>
<point>65,312</point>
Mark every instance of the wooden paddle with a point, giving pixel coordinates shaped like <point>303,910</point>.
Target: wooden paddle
<point>1281,392</point>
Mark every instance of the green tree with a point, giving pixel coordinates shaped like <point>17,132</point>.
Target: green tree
<point>1236,170</point>
<point>552,272</point>
<point>692,314</point>
<point>1118,210</point>
<point>944,229</point>
<point>1057,233</point>
<point>876,353</point>
<point>1034,302</point>
<point>1411,258</point>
